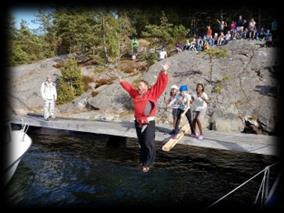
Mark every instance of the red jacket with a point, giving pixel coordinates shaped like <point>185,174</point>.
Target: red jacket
<point>140,101</point>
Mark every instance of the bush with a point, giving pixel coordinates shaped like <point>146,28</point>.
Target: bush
<point>70,83</point>
<point>99,69</point>
<point>216,52</point>
<point>150,58</point>
<point>65,92</point>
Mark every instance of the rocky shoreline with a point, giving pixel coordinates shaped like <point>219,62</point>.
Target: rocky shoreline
<point>243,82</point>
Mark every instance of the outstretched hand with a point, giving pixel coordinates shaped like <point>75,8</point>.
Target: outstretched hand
<point>166,66</point>
<point>119,79</point>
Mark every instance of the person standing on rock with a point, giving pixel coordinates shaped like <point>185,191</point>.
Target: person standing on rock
<point>49,95</point>
<point>162,54</point>
<point>144,100</point>
<point>134,45</point>
<point>199,106</point>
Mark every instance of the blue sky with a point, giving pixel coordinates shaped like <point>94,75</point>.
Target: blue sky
<point>25,14</point>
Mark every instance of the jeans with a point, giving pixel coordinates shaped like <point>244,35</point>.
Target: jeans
<point>146,139</point>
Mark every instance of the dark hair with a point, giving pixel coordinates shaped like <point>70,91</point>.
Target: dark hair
<point>172,91</point>
<point>200,84</point>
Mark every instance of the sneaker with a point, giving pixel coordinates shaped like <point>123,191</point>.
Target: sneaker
<point>172,132</point>
<point>200,137</point>
<point>193,135</point>
<point>46,119</point>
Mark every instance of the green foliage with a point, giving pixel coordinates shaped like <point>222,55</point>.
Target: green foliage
<point>217,89</point>
<point>17,55</point>
<point>225,78</point>
<point>216,52</point>
<point>26,47</point>
<point>65,92</point>
<point>106,32</point>
<point>150,58</point>
<point>166,32</point>
<point>92,32</point>
<point>70,83</point>
<point>99,69</point>
<point>219,85</point>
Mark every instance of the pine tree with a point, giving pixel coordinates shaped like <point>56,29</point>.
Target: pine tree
<point>70,83</point>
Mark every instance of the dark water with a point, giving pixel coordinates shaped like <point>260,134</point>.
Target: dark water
<point>67,169</point>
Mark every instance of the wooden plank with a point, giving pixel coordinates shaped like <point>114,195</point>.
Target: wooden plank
<point>172,142</point>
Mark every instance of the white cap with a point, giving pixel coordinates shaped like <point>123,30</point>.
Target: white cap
<point>174,87</point>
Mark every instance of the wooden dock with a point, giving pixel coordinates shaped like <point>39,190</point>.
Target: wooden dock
<point>238,142</point>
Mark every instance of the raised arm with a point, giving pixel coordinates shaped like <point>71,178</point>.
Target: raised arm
<point>128,88</point>
<point>161,83</point>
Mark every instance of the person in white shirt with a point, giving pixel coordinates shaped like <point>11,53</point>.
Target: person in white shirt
<point>49,95</point>
<point>162,54</point>
<point>199,106</point>
<point>183,100</point>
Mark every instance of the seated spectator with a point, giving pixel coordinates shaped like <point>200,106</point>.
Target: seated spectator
<point>244,34</point>
<point>187,45</point>
<point>251,29</point>
<point>179,47</point>
<point>260,34</point>
<point>228,37</point>
<point>193,45</point>
<point>215,38</point>
<point>233,29</point>
<point>221,39</point>
<point>210,41</point>
<point>267,35</point>
<point>240,24</point>
<point>206,46</point>
<point>199,44</point>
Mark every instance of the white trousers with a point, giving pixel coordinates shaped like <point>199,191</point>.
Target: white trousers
<point>49,108</point>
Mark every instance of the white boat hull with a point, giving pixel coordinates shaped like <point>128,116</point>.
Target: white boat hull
<point>18,145</point>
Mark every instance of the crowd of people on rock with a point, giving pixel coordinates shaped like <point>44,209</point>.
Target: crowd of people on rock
<point>239,29</point>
